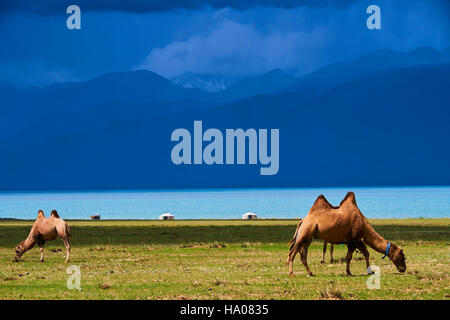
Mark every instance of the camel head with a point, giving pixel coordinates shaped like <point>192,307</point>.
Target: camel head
<point>20,250</point>
<point>398,258</point>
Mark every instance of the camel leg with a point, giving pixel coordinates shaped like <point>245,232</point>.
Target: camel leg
<point>304,256</point>
<point>324,250</point>
<point>331,252</point>
<point>67,244</point>
<point>41,249</point>
<point>362,247</point>
<point>291,260</point>
<point>304,236</point>
<point>40,242</point>
<point>351,248</point>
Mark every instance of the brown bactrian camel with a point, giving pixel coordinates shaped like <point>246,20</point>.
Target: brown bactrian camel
<point>343,225</point>
<point>45,229</point>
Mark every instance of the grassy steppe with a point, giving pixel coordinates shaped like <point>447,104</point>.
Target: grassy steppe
<point>218,259</point>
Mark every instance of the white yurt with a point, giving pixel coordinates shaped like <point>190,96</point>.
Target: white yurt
<point>166,216</point>
<point>249,216</point>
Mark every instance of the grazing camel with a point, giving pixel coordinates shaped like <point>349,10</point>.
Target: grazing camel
<point>343,224</point>
<point>45,229</point>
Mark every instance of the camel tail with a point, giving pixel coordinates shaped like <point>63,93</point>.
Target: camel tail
<point>294,238</point>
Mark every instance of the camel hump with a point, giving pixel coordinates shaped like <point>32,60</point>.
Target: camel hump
<point>321,202</point>
<point>41,214</point>
<point>349,198</point>
<point>55,213</point>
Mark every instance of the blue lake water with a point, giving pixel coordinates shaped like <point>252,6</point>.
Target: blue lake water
<point>382,202</point>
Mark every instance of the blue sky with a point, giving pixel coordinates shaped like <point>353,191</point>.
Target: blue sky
<point>234,37</point>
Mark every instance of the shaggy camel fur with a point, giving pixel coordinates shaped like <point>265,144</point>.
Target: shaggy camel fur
<point>45,229</point>
<point>343,224</point>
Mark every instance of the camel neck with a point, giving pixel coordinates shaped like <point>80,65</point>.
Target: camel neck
<point>374,240</point>
<point>29,242</point>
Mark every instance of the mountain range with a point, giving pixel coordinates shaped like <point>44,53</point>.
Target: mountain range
<point>379,120</point>
<point>208,82</point>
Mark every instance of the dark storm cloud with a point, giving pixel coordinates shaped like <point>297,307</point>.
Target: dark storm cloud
<point>50,7</point>
<point>39,49</point>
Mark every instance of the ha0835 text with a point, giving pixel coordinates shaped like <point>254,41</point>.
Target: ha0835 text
<point>244,309</point>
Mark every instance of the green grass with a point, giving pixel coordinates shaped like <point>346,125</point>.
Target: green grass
<point>218,259</point>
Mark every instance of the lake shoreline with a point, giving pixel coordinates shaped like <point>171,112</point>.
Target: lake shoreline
<point>374,202</point>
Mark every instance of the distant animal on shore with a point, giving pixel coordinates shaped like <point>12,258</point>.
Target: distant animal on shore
<point>45,229</point>
<point>95,217</point>
<point>344,224</point>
